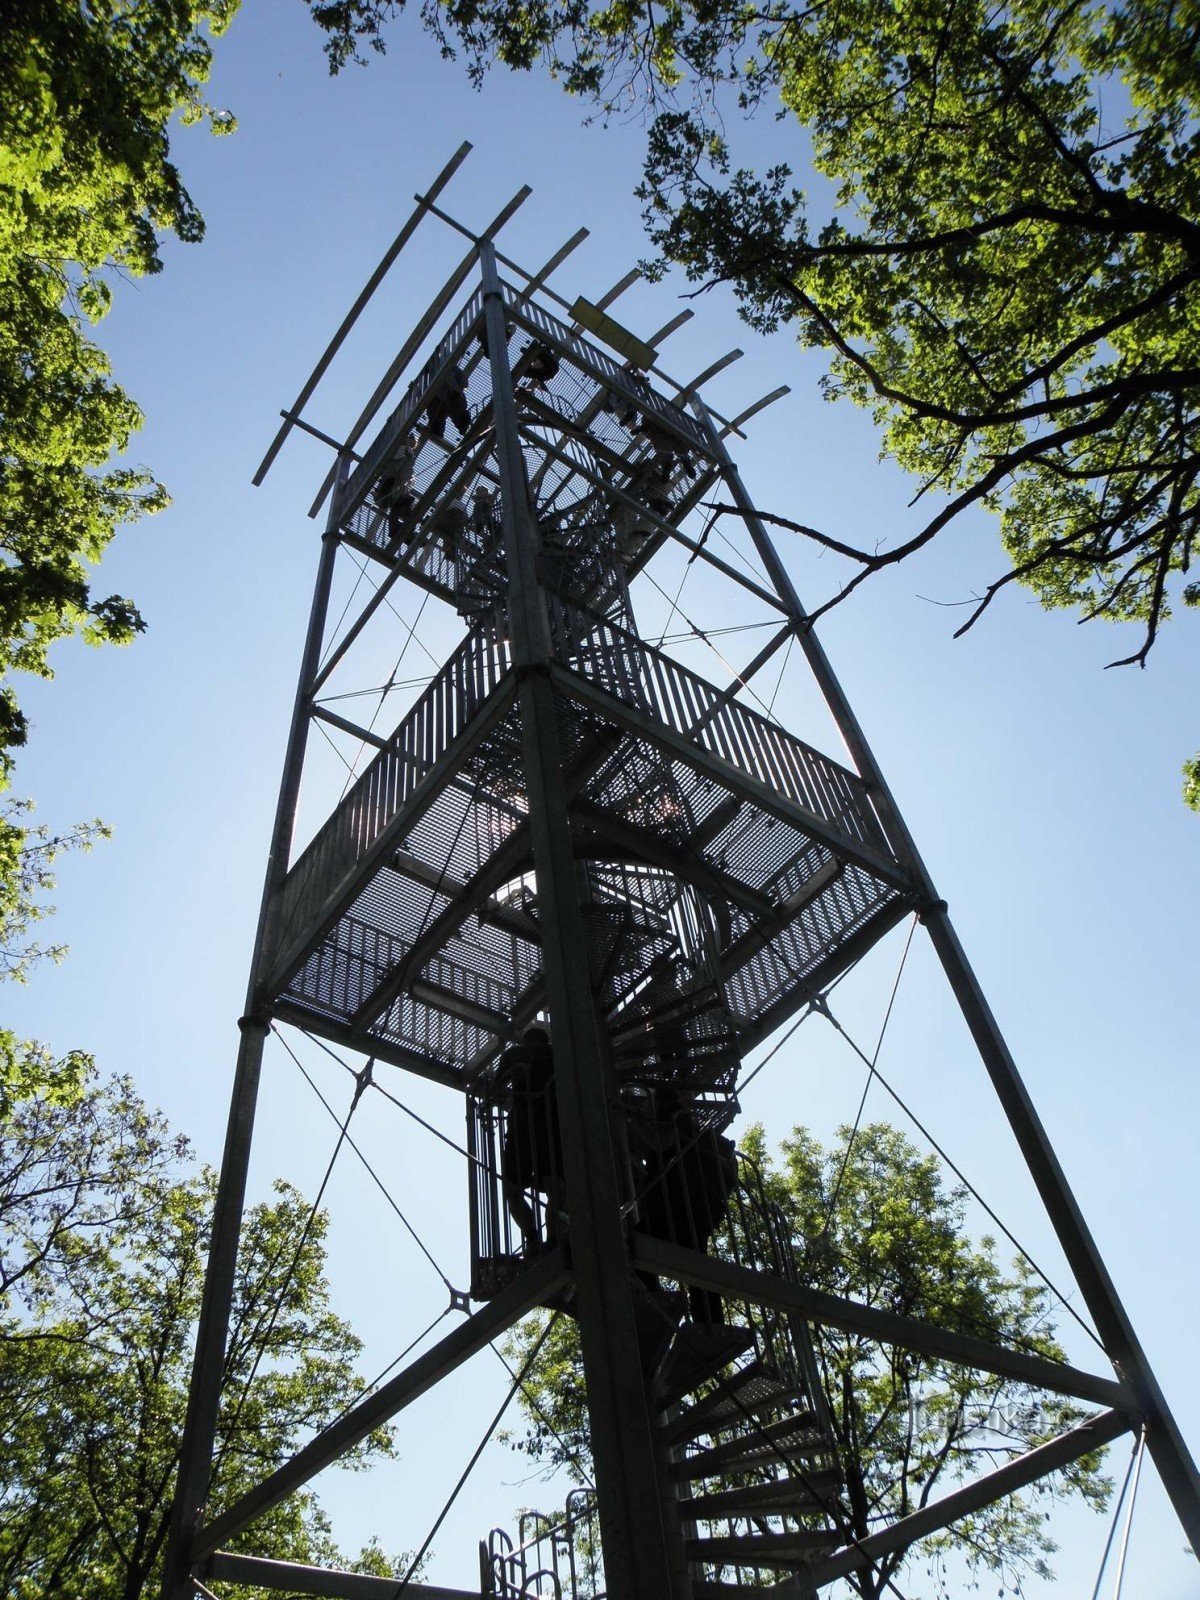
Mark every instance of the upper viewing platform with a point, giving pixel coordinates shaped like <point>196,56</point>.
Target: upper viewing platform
<point>603,448</point>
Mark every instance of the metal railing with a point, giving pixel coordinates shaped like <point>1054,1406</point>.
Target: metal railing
<point>470,677</point>
<point>405,414</point>
<point>689,705</point>
<point>757,1233</point>
<point>604,369</point>
<point>553,1557</point>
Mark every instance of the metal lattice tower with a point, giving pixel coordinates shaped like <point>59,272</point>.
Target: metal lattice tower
<point>569,825</point>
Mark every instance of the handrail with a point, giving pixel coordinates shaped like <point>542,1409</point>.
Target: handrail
<point>403,417</point>
<point>605,370</point>
<point>690,705</point>
<point>471,675</point>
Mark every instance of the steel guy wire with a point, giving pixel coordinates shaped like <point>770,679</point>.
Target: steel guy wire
<point>718,633</point>
<point>1116,1517</point>
<point>687,567</point>
<point>436,1132</point>
<point>259,1331</point>
<point>573,1457</point>
<point>399,1104</point>
<point>386,689</point>
<point>370,1388</point>
<point>329,740</point>
<point>375,688</point>
<point>333,637</point>
<point>387,602</point>
<point>887,1017</point>
<point>379,1183</point>
<point>751,566</point>
<point>705,639</point>
<point>1137,1475</point>
<point>820,1003</point>
<point>961,1176</point>
<point>684,1149</point>
<point>809,1007</point>
<point>479,1449</point>
<point>674,605</point>
<point>787,656</point>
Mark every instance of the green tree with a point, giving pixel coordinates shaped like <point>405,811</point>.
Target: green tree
<point>86,186</point>
<point>87,94</point>
<point>998,251</point>
<point>27,860</point>
<point>873,1219</point>
<point>104,1234</point>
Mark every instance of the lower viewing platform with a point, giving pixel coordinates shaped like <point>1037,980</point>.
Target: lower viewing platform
<point>723,856</point>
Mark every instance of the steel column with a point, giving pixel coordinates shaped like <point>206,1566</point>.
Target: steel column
<point>643,1560</point>
<point>204,1397</point>
<point>1163,1438</point>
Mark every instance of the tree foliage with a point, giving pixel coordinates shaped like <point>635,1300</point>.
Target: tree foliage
<point>874,1220</point>
<point>86,186</point>
<point>103,1236</point>
<point>27,861</point>
<point>999,249</point>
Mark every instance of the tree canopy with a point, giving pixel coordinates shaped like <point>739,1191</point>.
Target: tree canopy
<point>87,94</point>
<point>875,1220</point>
<point>86,186</point>
<point>998,249</point>
<point>28,854</point>
<point>103,1236</point>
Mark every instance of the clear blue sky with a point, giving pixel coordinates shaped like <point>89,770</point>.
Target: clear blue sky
<point>1043,791</point>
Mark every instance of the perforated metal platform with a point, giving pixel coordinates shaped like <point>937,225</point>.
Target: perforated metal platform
<point>404,922</point>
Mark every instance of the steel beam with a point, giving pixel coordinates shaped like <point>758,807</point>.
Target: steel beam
<point>631,843</point>
<point>204,1394</point>
<point>637,1544</point>
<point>1091,1434</point>
<point>381,271</point>
<point>1163,1437</point>
<point>843,956</point>
<point>290,1577</point>
<point>727,571</point>
<point>577,687</point>
<point>344,725</point>
<point>753,410</point>
<point>689,390</point>
<point>504,863</point>
<point>532,1288</point>
<point>888,1327</point>
<point>378,598</point>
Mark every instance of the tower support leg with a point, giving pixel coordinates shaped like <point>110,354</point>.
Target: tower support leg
<point>642,1560</point>
<point>204,1394</point>
<point>1163,1438</point>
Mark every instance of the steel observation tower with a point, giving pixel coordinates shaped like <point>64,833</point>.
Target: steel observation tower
<point>577,883</point>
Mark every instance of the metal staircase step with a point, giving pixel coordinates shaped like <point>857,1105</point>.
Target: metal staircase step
<point>763,1549</point>
<point>815,1491</point>
<point>792,1439</point>
<point>674,1005</point>
<point>696,1356</point>
<point>752,1390</point>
